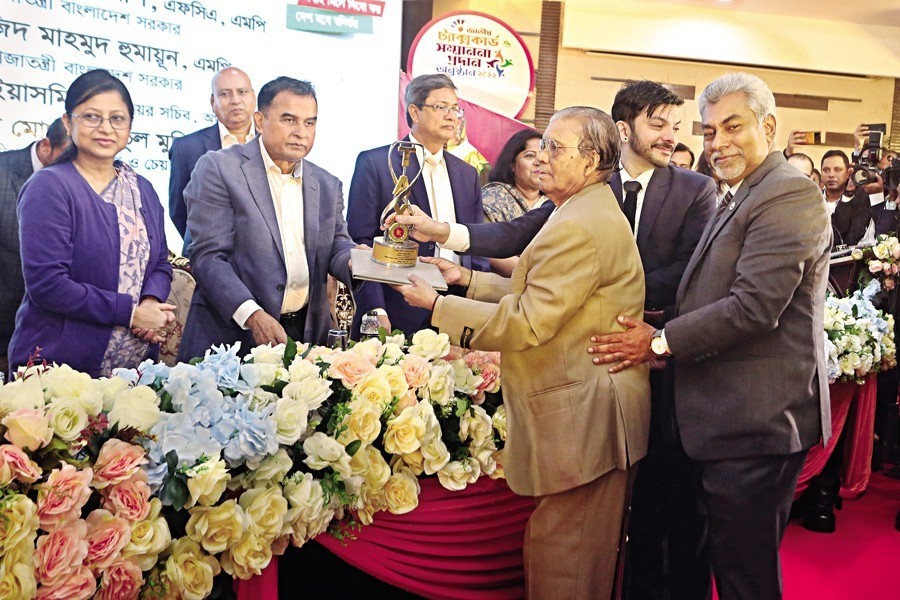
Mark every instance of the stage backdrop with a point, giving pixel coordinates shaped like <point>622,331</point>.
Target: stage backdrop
<point>166,52</point>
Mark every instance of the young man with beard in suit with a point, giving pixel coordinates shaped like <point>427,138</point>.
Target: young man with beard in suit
<point>268,228</point>
<point>233,102</point>
<point>16,166</point>
<point>750,302</point>
<point>448,189</point>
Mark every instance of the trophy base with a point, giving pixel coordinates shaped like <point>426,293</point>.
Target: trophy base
<point>366,269</point>
<point>404,254</point>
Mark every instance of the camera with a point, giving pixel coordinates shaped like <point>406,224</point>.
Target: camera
<point>866,169</point>
<point>891,176</point>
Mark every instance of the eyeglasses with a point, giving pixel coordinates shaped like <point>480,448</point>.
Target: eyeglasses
<point>94,120</point>
<point>457,110</point>
<point>553,147</point>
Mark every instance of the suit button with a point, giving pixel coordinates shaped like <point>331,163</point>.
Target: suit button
<point>279,287</point>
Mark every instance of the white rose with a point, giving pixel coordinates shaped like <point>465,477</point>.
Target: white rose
<point>260,374</point>
<point>323,451</point>
<point>458,474</point>
<point>475,425</point>
<point>398,339</point>
<point>268,354</point>
<point>111,387</point>
<point>435,454</point>
<point>485,457</point>
<point>440,386</point>
<point>370,348</point>
<point>396,378</point>
<point>21,393</point>
<point>137,407</point>
<point>379,471</point>
<point>301,369</point>
<point>404,433</point>
<point>67,419</point>
<point>363,423</point>
<point>464,379</point>
<point>499,421</point>
<point>66,382</point>
<point>291,420</point>
<point>401,492</point>
<point>391,353</point>
<point>273,468</point>
<point>309,514</point>
<point>882,251</point>
<point>313,391</point>
<point>429,344</point>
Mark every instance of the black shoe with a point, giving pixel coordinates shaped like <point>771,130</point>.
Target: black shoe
<point>819,516</point>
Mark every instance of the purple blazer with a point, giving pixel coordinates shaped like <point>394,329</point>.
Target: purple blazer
<point>70,259</point>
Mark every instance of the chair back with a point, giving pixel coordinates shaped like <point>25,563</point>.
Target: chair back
<point>183,285</point>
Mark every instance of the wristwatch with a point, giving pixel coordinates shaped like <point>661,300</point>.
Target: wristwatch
<point>658,344</point>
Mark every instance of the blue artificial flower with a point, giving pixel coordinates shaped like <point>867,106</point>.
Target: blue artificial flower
<point>224,363</point>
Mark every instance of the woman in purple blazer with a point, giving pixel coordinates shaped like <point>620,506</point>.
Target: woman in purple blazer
<point>94,252</point>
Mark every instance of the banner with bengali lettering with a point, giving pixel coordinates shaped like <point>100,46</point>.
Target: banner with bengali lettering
<point>485,58</point>
<point>166,52</point>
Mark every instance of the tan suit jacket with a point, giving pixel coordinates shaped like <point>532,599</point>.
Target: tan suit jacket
<point>569,421</point>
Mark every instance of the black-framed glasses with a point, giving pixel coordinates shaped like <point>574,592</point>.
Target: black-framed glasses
<point>457,110</point>
<point>93,120</point>
<point>553,147</point>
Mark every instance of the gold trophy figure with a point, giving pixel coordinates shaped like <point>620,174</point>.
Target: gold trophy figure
<point>395,249</point>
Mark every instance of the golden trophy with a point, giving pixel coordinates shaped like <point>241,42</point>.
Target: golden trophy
<point>395,249</point>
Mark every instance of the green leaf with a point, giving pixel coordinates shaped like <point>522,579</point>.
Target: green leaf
<point>165,402</point>
<point>462,405</point>
<point>172,461</point>
<point>175,492</point>
<point>353,447</point>
<point>196,360</point>
<point>290,352</point>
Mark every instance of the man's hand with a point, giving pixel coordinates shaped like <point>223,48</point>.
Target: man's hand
<point>424,228</point>
<point>418,294</point>
<point>266,330</point>
<point>876,187</point>
<point>452,272</point>
<point>795,138</point>
<point>861,136</point>
<point>631,347</point>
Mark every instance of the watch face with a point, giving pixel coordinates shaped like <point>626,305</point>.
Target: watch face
<point>658,346</point>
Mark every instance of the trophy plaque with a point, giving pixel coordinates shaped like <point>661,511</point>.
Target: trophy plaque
<point>394,256</point>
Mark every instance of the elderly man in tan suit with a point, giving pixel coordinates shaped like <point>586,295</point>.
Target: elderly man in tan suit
<point>575,432</point>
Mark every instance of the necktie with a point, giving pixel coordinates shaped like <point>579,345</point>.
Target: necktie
<point>629,207</point>
<point>442,208</point>
<point>723,204</point>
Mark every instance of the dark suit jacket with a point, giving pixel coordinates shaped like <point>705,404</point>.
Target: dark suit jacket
<point>237,250</point>
<point>370,191</point>
<point>15,169</point>
<point>676,207</point>
<point>747,340</point>
<point>183,155</point>
<point>851,219</point>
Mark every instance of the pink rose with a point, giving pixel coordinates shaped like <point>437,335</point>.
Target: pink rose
<point>28,428</point>
<point>117,462</point>
<point>874,266</point>
<point>895,268</point>
<point>59,554</point>
<point>122,580</point>
<point>416,369</point>
<point>107,534</point>
<point>60,499</point>
<point>350,367</point>
<point>490,374</point>
<point>15,465</point>
<point>886,267</point>
<point>129,499</point>
<point>80,586</point>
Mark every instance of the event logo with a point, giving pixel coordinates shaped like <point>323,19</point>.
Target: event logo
<point>486,59</point>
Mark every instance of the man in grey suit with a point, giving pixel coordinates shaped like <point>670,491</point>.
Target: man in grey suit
<point>268,228</point>
<point>16,166</point>
<point>750,302</point>
<point>233,103</point>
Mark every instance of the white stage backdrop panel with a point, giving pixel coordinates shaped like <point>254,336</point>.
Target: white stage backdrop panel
<point>166,51</point>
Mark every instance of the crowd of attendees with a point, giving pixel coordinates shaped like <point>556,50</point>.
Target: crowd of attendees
<point>84,250</point>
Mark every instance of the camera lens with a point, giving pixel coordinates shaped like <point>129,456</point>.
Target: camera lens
<point>862,176</point>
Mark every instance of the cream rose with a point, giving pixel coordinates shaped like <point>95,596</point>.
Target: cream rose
<point>265,509</point>
<point>391,353</point>
<point>248,557</point>
<point>149,538</point>
<point>313,391</point>
<point>18,522</point>
<point>375,389</point>
<point>291,419</point>
<point>369,348</point>
<point>404,432</point>
<point>401,493</point>
<point>216,528</point>
<point>303,369</point>
<point>65,382</point>
<point>21,393</point>
<point>67,418</point>
<point>206,482</point>
<point>323,451</point>
<point>498,421</point>
<point>396,378</point>
<point>17,581</point>
<point>28,428</point>
<point>464,379</point>
<point>475,426</point>
<point>190,571</point>
<point>268,354</point>
<point>429,344</point>
<point>272,469</point>
<point>363,423</point>
<point>440,386</point>
<point>137,407</point>
<point>434,454</point>
<point>456,475</point>
<point>110,388</point>
<point>379,471</point>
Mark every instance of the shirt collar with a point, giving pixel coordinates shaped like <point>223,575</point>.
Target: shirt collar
<point>223,132</point>
<point>36,163</point>
<point>734,189</point>
<point>422,152</point>
<point>270,164</point>
<point>643,178</point>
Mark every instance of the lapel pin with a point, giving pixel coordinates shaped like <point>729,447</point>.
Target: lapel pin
<point>732,205</point>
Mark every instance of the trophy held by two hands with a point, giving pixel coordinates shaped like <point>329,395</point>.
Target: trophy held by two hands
<point>394,249</point>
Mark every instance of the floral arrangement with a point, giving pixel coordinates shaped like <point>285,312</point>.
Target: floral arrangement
<point>859,339</point>
<point>165,482</point>
<point>880,261</point>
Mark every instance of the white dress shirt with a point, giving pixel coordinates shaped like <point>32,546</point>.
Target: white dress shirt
<point>440,192</point>
<point>228,139</point>
<point>287,196</point>
<point>36,163</point>
<point>644,180</point>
